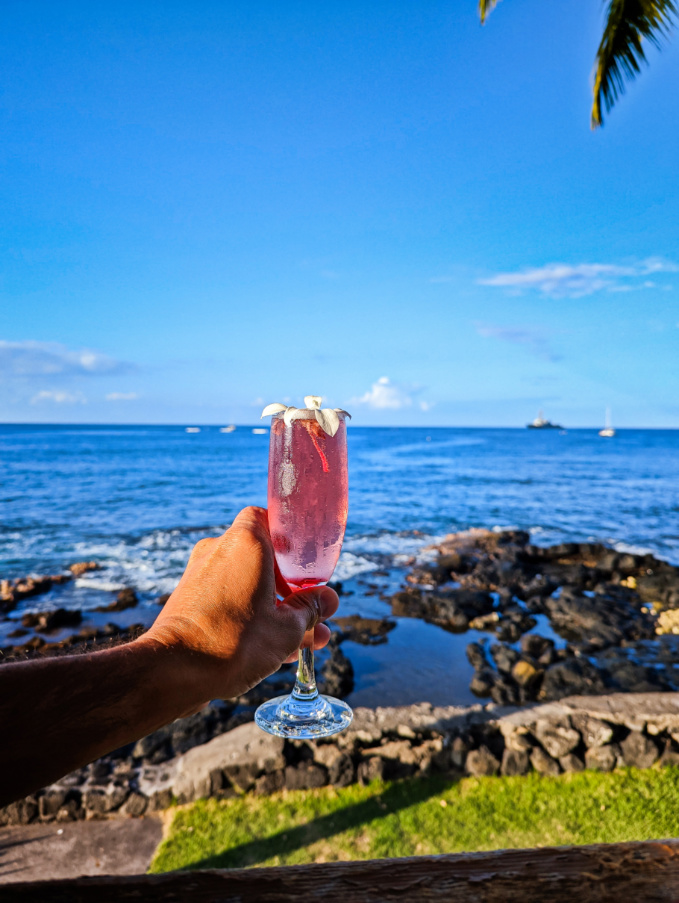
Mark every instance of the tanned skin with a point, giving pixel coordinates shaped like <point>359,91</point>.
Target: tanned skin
<point>220,633</point>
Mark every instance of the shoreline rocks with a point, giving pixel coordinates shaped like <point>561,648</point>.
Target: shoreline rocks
<point>598,733</point>
<point>558,701</point>
<point>604,606</point>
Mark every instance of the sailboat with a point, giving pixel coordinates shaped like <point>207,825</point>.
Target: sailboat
<point>607,432</point>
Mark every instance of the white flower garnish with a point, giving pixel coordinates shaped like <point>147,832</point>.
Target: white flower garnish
<point>328,418</point>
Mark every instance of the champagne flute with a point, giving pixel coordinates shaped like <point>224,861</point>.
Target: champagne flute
<point>308,504</point>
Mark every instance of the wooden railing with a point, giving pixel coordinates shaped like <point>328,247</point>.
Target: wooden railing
<point>620,873</point>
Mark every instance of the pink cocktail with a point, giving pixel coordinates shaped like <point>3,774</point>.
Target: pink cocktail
<point>308,504</point>
<point>308,498</point>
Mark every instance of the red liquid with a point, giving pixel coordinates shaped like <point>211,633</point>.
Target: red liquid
<point>308,499</point>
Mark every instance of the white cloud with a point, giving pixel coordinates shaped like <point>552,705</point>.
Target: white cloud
<point>30,359</point>
<point>533,338</point>
<point>59,397</point>
<point>385,395</point>
<point>121,396</point>
<point>576,281</point>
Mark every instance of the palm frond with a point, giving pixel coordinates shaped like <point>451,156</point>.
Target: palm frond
<point>485,8</point>
<point>621,52</point>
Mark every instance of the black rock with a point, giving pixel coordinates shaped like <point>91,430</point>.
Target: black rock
<point>50,802</point>
<point>481,762</point>
<point>52,620</point>
<point>267,784</point>
<point>594,732</point>
<point>558,736</point>
<point>505,692</point>
<point>638,750</point>
<point>543,762</point>
<point>631,676</point>
<point>515,762</point>
<point>100,770</point>
<point>342,772</point>
<point>408,604</point>
<point>570,763</point>
<point>482,683</point>
<point>512,625</point>
<point>126,598</point>
<point>606,619</point>
<point>573,677</point>
<point>476,656</point>
<point>371,769</point>
<point>504,657</point>
<point>451,609</point>
<point>535,646</point>
<point>602,758</point>
<point>22,812</point>
<point>366,631</point>
<point>337,673</point>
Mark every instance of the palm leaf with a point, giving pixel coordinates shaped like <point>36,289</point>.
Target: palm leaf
<point>620,53</point>
<point>486,7</point>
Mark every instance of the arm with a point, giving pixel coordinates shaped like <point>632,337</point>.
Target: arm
<point>219,634</point>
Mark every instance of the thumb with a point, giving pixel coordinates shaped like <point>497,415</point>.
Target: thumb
<point>309,607</point>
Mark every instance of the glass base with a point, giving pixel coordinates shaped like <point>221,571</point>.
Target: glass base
<point>303,719</point>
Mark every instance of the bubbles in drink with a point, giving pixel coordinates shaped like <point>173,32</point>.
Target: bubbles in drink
<point>308,499</point>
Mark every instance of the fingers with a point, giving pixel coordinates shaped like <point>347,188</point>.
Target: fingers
<point>254,520</point>
<point>301,615</point>
<point>320,637</point>
<point>313,605</point>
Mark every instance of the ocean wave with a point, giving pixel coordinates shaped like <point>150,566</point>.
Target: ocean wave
<point>386,543</point>
<point>350,565</point>
<point>103,586</point>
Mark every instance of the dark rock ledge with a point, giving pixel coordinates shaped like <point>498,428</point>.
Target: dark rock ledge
<point>599,733</point>
<point>608,608</point>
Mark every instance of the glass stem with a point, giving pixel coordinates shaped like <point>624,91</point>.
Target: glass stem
<point>305,684</point>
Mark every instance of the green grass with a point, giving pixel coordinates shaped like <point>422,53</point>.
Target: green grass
<point>418,817</point>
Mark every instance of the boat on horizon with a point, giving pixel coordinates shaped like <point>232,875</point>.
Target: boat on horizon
<point>192,429</point>
<point>607,432</point>
<point>259,431</point>
<point>541,424</point>
<point>227,429</point>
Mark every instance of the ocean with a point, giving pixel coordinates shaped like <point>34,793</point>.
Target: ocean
<point>137,498</point>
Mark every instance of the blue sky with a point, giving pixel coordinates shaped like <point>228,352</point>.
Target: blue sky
<point>211,206</point>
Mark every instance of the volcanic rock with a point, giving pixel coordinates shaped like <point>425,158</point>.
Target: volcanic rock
<point>638,750</point>
<point>543,763</point>
<point>126,598</point>
<point>82,567</point>
<point>481,762</point>
<point>366,631</point>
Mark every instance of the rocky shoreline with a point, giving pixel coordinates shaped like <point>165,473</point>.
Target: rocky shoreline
<point>577,620</point>
<point>611,611</point>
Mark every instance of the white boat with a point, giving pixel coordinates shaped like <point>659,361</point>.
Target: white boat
<point>541,424</point>
<point>607,432</point>
<point>259,432</point>
<point>192,429</point>
<point>227,429</point>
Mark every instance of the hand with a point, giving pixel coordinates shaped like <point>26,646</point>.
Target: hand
<point>224,619</point>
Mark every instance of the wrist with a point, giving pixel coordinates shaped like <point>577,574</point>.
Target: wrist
<point>176,678</point>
